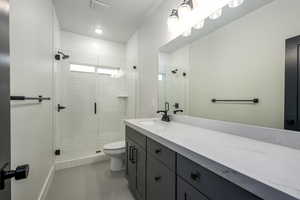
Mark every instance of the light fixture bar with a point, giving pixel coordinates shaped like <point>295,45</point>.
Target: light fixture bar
<point>193,13</point>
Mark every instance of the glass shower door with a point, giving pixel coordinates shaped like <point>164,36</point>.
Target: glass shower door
<point>78,122</point>
<point>96,103</point>
<point>111,109</point>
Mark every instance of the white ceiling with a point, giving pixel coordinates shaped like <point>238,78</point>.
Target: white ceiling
<point>118,22</point>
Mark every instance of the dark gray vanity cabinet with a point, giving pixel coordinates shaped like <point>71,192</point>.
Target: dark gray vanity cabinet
<point>150,168</point>
<point>160,181</point>
<point>155,172</point>
<point>136,163</point>
<point>161,178</point>
<point>209,184</point>
<point>187,192</point>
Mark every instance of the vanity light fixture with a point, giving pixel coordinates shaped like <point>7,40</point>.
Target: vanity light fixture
<point>196,3</point>
<point>215,15</point>
<point>173,21</point>
<point>185,14</point>
<point>235,3</point>
<point>185,11</point>
<point>190,15</point>
<point>98,31</point>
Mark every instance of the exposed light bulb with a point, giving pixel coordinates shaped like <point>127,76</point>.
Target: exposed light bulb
<point>216,14</point>
<point>173,21</point>
<point>185,11</point>
<point>196,3</point>
<point>235,3</point>
<point>199,25</point>
<point>98,31</point>
<point>187,33</point>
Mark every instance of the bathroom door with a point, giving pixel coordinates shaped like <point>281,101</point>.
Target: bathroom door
<point>111,109</point>
<point>78,121</point>
<point>292,85</point>
<point>4,98</point>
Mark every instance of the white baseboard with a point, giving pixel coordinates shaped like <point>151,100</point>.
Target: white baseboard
<point>47,184</point>
<point>59,165</point>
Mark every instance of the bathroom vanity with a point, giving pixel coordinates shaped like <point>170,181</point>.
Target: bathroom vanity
<point>168,161</point>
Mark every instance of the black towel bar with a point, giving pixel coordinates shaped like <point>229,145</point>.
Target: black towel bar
<point>40,98</point>
<point>255,100</point>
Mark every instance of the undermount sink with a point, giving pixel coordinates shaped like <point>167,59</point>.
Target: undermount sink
<point>147,123</point>
<point>154,124</point>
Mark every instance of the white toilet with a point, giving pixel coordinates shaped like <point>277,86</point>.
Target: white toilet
<point>116,151</point>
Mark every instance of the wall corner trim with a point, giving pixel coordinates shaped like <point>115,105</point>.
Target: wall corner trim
<point>47,183</point>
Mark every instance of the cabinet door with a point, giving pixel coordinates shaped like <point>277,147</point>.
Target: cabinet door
<point>131,166</point>
<point>139,155</point>
<point>187,192</point>
<point>160,181</point>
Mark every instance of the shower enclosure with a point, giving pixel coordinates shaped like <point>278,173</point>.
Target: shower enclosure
<point>94,99</point>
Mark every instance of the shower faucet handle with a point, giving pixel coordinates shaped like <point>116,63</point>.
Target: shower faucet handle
<point>60,107</point>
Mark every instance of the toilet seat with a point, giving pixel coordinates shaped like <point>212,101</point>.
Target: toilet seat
<point>115,146</point>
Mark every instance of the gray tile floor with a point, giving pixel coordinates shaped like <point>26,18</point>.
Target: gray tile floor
<point>89,182</point>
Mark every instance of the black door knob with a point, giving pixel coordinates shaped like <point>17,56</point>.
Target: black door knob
<point>20,173</point>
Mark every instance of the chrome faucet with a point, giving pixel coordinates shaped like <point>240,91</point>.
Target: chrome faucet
<point>165,116</point>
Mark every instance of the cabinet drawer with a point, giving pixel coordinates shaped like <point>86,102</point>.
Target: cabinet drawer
<point>160,181</point>
<point>210,184</point>
<point>136,137</point>
<point>187,192</point>
<point>162,153</point>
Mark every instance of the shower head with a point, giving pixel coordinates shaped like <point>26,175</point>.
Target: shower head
<point>60,55</point>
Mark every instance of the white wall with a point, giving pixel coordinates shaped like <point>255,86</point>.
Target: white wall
<point>132,75</point>
<point>152,35</point>
<point>32,24</point>
<point>87,50</point>
<point>174,88</point>
<point>177,84</point>
<point>245,59</point>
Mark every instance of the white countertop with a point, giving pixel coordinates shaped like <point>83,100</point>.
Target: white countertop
<point>274,165</point>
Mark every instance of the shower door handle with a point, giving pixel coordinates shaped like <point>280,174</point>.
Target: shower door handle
<point>60,107</point>
<point>95,108</point>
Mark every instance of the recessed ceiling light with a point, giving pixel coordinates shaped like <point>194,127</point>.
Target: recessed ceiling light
<point>98,31</point>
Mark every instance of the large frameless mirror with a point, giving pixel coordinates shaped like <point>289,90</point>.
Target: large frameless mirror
<point>240,65</point>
